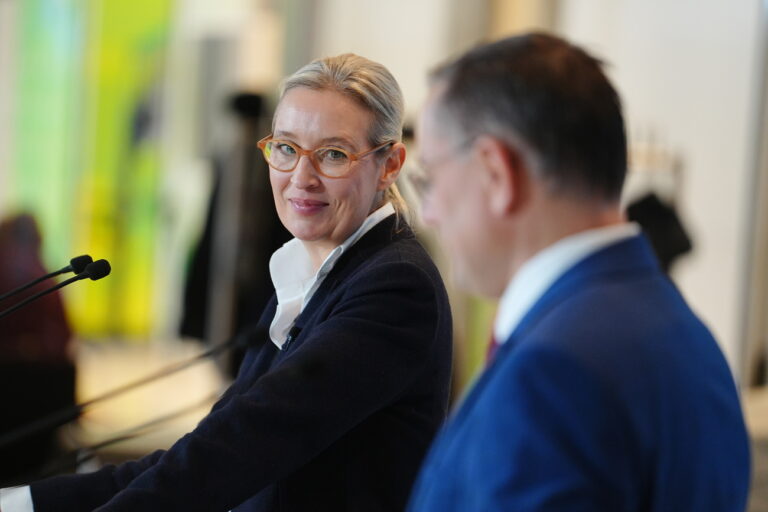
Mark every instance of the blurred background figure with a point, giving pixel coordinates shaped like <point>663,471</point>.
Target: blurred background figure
<point>240,173</point>
<point>663,227</point>
<point>37,371</point>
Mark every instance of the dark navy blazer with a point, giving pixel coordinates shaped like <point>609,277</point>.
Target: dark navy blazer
<point>337,421</point>
<point>610,395</point>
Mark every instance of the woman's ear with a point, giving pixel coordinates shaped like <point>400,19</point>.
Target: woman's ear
<point>502,172</point>
<point>392,165</point>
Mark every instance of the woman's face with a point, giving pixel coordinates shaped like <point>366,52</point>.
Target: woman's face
<point>318,210</point>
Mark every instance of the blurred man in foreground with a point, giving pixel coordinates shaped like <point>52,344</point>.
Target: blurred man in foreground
<point>605,392</point>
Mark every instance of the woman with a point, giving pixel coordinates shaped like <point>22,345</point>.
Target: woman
<point>336,409</point>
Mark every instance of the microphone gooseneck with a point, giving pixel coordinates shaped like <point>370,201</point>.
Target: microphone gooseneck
<point>83,454</point>
<point>76,265</point>
<point>58,418</point>
<point>95,270</point>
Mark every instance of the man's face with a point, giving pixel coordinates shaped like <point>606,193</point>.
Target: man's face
<point>453,201</point>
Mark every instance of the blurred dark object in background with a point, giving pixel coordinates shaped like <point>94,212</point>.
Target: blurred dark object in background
<point>259,232</point>
<point>37,370</point>
<point>662,225</point>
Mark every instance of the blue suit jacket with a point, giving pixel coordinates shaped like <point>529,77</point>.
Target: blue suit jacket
<point>610,395</point>
<point>338,421</point>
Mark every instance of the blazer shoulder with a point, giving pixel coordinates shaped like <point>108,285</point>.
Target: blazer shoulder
<point>389,242</point>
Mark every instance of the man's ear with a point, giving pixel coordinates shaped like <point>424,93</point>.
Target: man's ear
<point>392,165</point>
<point>503,173</point>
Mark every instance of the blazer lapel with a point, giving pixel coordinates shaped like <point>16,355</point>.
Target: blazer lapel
<point>383,233</point>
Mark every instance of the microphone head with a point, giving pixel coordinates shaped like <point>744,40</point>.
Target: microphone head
<point>78,263</point>
<point>97,269</point>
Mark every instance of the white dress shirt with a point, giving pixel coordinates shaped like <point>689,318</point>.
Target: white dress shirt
<point>540,272</point>
<point>16,499</point>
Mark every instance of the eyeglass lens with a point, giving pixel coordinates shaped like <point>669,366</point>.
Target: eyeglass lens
<point>284,157</point>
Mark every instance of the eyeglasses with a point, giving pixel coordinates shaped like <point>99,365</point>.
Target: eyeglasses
<point>331,162</point>
<point>420,178</point>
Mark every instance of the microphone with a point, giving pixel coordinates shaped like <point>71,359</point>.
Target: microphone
<point>76,265</point>
<point>94,271</point>
<point>68,414</point>
<point>293,333</point>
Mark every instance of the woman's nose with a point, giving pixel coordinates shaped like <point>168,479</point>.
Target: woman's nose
<point>305,175</point>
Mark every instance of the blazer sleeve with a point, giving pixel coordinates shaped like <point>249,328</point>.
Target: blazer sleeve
<point>368,351</point>
<point>85,492</point>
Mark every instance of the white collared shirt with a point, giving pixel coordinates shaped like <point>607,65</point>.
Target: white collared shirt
<point>295,280</point>
<point>539,273</point>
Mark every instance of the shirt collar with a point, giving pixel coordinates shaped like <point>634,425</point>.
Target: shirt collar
<point>291,264</point>
<point>369,222</point>
<point>543,269</point>
<point>295,279</point>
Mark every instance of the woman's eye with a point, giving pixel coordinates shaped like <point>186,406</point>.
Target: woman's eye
<point>284,148</point>
<point>333,156</point>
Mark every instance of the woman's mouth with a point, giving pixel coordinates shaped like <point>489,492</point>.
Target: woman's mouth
<point>307,206</point>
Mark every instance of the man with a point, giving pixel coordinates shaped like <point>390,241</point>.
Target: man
<point>606,392</point>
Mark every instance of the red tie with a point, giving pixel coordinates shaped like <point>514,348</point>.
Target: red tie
<point>493,346</point>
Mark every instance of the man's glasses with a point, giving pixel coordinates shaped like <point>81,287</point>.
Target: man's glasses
<point>421,179</point>
<point>331,162</point>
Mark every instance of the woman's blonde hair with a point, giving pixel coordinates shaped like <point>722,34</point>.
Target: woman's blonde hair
<point>370,84</point>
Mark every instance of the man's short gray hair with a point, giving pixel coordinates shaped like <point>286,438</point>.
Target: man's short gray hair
<point>549,96</point>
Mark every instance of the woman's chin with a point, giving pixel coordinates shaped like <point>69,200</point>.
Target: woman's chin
<point>306,235</point>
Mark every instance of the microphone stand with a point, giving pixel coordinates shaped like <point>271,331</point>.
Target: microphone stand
<point>63,416</point>
<point>84,454</point>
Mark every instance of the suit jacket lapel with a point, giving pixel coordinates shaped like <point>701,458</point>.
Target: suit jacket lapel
<point>633,255</point>
<point>626,257</point>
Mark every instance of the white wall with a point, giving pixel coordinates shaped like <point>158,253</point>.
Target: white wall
<point>408,37</point>
<point>687,70</point>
